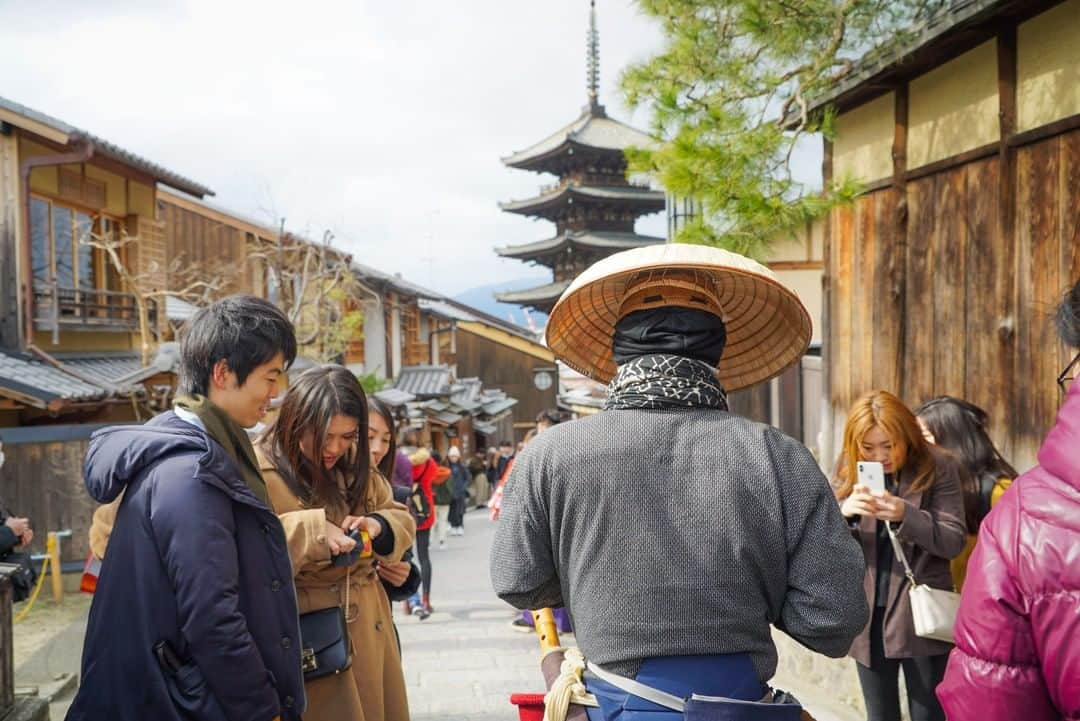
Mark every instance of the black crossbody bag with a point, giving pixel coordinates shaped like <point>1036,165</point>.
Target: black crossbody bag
<point>325,648</point>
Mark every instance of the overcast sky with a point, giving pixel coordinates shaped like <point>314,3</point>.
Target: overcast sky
<point>381,121</point>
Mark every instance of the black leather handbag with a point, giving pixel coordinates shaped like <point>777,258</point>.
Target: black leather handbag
<point>325,648</point>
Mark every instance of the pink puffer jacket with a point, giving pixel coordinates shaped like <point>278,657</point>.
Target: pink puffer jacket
<point>1017,652</point>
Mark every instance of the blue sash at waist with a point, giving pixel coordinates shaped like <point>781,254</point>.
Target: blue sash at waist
<point>730,675</point>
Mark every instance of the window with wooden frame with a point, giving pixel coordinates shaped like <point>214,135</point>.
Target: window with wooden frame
<point>64,264</point>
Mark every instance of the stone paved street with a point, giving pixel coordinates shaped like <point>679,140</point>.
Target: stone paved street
<point>466,659</point>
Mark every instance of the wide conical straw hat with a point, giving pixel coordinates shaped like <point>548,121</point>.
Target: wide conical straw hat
<point>768,328</point>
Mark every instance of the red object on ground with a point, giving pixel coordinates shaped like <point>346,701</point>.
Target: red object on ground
<point>530,706</point>
<point>90,574</point>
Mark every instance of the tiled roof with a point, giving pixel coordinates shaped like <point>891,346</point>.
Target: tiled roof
<point>394,397</point>
<point>80,377</point>
<point>105,369</point>
<point>541,294</point>
<point>445,310</point>
<point>105,148</point>
<point>590,129</point>
<point>37,383</point>
<point>177,309</point>
<point>648,199</point>
<point>488,429</point>
<point>424,381</point>
<point>496,407</point>
<point>911,54</point>
<point>587,239</point>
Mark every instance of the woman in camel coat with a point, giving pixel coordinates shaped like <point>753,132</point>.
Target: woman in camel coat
<point>322,432</point>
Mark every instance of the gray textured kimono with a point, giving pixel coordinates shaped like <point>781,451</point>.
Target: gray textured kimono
<point>679,533</point>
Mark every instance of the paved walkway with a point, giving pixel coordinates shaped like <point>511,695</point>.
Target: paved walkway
<point>466,659</point>
<point>462,663</point>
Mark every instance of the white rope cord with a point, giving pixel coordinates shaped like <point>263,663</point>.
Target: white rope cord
<point>568,687</point>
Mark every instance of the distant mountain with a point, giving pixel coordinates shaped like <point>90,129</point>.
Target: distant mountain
<point>483,298</point>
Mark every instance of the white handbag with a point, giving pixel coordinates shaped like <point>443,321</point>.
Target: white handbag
<point>932,609</point>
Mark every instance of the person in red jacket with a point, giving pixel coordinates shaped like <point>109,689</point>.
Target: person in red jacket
<point>426,473</point>
<point>1017,652</point>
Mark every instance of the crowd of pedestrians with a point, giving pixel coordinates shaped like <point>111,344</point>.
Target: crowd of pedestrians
<point>247,579</point>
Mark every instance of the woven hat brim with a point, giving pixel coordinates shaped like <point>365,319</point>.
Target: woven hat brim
<point>768,328</point>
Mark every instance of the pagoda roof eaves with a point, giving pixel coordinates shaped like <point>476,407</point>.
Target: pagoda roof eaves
<point>542,295</point>
<point>588,239</point>
<point>591,130</point>
<point>653,199</point>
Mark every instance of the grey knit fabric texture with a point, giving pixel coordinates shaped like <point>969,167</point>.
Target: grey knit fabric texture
<point>679,533</point>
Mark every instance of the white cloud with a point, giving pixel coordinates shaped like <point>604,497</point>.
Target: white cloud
<point>383,122</point>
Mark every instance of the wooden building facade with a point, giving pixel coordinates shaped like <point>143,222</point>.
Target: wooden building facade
<point>941,278</point>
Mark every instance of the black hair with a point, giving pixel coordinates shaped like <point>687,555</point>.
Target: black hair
<point>242,330</point>
<point>550,416</point>
<point>960,427</point>
<point>1067,317</point>
<point>506,443</point>
<point>386,465</point>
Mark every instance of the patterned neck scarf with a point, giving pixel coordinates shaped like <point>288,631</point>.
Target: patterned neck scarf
<point>662,381</point>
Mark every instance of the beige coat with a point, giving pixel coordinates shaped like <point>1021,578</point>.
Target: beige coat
<point>374,688</point>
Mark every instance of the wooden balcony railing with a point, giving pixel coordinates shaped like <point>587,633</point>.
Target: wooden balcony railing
<point>56,307</point>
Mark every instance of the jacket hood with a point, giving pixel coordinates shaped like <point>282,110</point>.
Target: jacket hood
<point>1058,452</point>
<point>119,454</point>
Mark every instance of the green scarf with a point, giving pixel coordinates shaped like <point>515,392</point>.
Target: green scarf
<point>232,437</point>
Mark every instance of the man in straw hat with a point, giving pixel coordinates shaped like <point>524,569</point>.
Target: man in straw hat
<point>674,531</point>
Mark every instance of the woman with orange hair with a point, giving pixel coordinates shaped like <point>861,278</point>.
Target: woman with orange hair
<point>923,505</point>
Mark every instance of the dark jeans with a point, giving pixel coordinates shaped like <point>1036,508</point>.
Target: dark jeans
<point>457,513</point>
<point>880,682</point>
<point>423,555</point>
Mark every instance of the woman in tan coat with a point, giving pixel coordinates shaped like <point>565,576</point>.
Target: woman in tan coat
<point>312,459</point>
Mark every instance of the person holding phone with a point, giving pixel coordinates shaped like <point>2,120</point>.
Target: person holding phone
<point>923,503</point>
<point>317,465</point>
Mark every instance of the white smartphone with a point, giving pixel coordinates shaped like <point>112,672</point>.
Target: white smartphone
<point>871,475</point>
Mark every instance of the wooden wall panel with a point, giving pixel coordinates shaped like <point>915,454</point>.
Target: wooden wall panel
<point>840,352</point>
<point>989,346</point>
<point>1038,235</point>
<point>890,309</point>
<point>507,369</point>
<point>863,293</point>
<point>43,482</point>
<point>919,331</point>
<point>1070,214</point>
<point>976,321</point>
<point>948,299</point>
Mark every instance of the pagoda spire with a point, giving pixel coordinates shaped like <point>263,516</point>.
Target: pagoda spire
<point>592,63</point>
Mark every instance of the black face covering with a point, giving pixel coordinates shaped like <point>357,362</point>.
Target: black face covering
<point>686,332</point>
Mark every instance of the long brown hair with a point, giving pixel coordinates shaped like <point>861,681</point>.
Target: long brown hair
<point>310,404</point>
<point>910,449</point>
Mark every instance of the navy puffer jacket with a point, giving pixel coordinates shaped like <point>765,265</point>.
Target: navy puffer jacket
<point>194,559</point>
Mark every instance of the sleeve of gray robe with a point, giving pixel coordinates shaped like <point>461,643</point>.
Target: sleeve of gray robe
<point>522,564</point>
<point>825,605</point>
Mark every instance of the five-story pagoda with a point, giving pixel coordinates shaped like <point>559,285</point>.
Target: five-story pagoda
<point>593,205</point>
